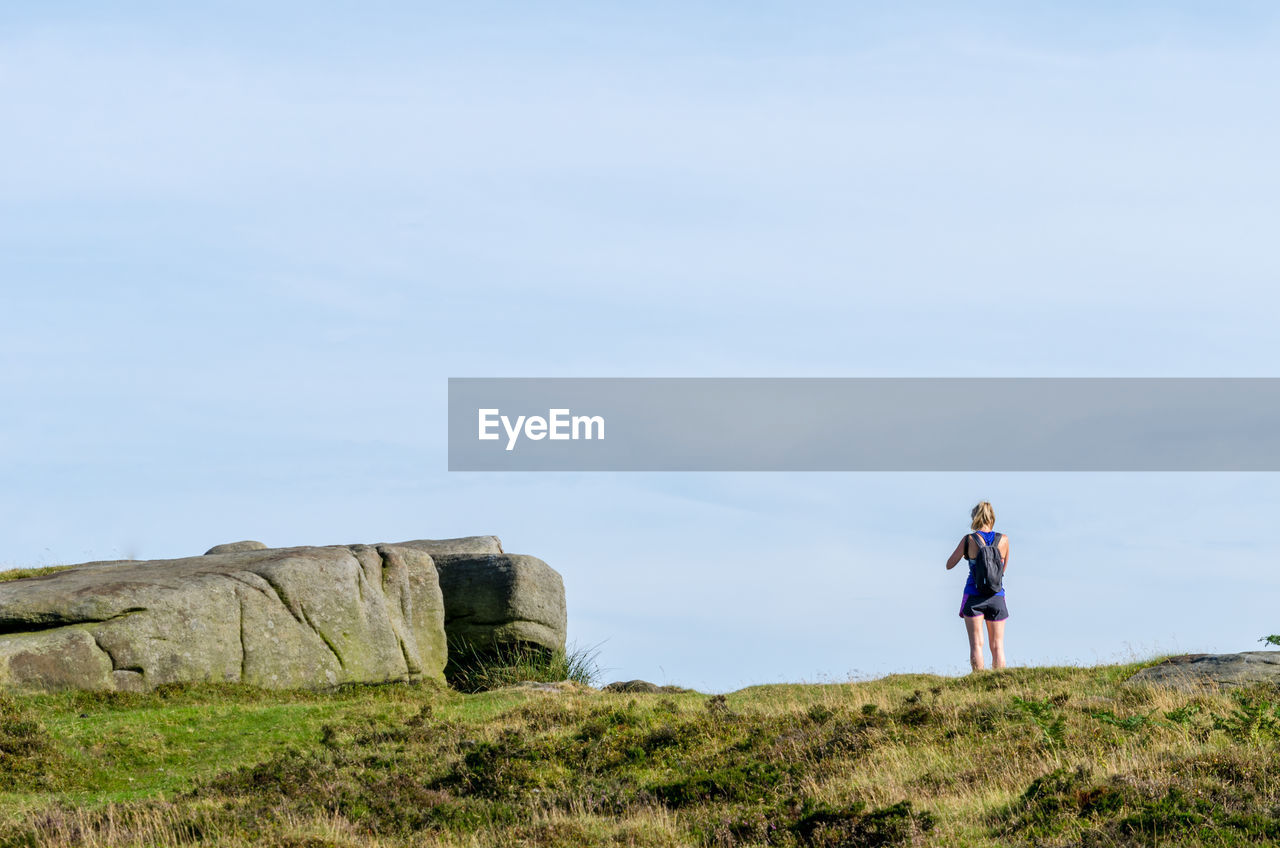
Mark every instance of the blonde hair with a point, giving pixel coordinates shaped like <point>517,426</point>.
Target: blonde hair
<point>982,515</point>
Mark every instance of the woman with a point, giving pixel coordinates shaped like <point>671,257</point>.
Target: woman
<point>976,606</point>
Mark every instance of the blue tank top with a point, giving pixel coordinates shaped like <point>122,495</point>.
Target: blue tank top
<point>988,536</point>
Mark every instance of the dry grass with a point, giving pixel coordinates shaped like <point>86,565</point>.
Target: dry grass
<point>1045,757</point>
<point>40,571</point>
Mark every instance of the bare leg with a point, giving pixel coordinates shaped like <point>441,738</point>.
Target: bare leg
<point>973,626</point>
<point>995,631</point>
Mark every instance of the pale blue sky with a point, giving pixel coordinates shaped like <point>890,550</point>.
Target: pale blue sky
<point>241,251</point>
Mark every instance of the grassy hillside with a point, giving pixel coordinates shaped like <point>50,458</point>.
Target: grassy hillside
<point>1036,756</point>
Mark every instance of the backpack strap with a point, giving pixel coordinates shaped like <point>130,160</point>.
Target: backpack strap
<point>981,542</point>
<point>995,543</point>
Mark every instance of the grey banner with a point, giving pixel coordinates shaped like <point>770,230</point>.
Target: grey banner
<point>874,424</point>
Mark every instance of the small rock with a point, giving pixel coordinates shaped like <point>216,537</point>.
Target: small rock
<point>236,547</point>
<point>557,687</point>
<point>643,686</point>
<point>460,545</point>
<point>1192,672</point>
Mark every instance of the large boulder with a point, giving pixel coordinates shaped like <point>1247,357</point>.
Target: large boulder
<point>1192,672</point>
<point>494,599</point>
<point>278,618</point>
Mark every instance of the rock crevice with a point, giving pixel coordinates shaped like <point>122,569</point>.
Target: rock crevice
<point>9,626</point>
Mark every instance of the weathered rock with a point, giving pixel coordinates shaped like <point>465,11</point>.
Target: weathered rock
<point>1192,672</point>
<point>236,547</point>
<point>560,687</point>
<point>501,599</point>
<point>643,687</point>
<point>278,618</point>
<point>461,545</point>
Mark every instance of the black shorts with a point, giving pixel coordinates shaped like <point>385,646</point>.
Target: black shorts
<point>990,607</point>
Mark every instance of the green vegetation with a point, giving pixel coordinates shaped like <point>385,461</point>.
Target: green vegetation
<point>19,573</point>
<point>1034,756</point>
<point>473,670</point>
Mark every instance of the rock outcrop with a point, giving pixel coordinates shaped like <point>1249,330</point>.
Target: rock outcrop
<point>461,545</point>
<point>1191,672</point>
<point>278,618</point>
<point>501,599</point>
<point>236,547</point>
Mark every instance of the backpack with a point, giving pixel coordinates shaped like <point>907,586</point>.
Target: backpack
<point>988,567</point>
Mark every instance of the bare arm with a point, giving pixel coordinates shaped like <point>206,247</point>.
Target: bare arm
<point>1004,550</point>
<point>956,555</point>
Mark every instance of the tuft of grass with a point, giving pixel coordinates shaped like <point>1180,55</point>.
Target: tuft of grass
<point>40,571</point>
<point>474,669</point>
<point>1131,723</point>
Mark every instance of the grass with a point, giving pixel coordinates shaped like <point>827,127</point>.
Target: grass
<point>40,571</point>
<point>473,669</point>
<point>1033,756</point>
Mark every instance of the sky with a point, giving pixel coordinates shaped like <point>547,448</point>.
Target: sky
<point>242,249</point>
